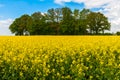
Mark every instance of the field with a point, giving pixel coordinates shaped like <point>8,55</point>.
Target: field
<point>60,58</point>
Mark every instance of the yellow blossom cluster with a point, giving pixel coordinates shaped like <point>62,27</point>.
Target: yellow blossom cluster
<point>60,58</point>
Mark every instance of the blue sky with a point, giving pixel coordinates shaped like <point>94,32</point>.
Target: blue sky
<point>11,9</point>
<point>16,8</point>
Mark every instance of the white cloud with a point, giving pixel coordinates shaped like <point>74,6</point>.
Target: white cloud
<point>113,13</point>
<point>87,3</point>
<point>62,1</point>
<point>4,26</point>
<point>111,9</point>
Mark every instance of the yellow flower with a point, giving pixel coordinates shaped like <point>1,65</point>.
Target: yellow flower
<point>73,62</point>
<point>88,59</point>
<point>14,58</point>
<point>58,74</point>
<point>21,74</point>
<point>91,77</point>
<point>25,67</point>
<point>35,78</point>
<point>53,70</point>
<point>43,53</point>
<point>62,68</point>
<point>101,62</point>
<point>68,76</point>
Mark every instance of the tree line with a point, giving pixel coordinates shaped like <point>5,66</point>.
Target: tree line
<point>61,21</point>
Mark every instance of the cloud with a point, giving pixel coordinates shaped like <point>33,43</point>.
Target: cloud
<point>87,3</point>
<point>61,1</point>
<point>4,26</point>
<point>111,9</point>
<point>3,23</point>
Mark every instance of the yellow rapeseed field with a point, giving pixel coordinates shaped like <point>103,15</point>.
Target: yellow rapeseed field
<point>60,58</point>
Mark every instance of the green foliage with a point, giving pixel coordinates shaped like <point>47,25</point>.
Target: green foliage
<point>117,33</point>
<point>97,22</point>
<point>20,25</point>
<point>61,21</point>
<point>37,25</point>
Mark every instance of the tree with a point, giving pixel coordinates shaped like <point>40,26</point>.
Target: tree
<point>53,21</point>
<point>67,14</point>
<point>117,33</point>
<point>84,13</point>
<point>58,13</point>
<point>61,21</point>
<point>82,22</point>
<point>67,21</point>
<point>19,26</point>
<point>76,14</point>
<point>51,15</point>
<point>37,25</point>
<point>97,22</point>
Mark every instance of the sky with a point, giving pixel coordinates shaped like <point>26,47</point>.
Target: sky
<point>12,9</point>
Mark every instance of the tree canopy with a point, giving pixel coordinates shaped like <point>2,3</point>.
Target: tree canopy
<point>97,22</point>
<point>61,21</point>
